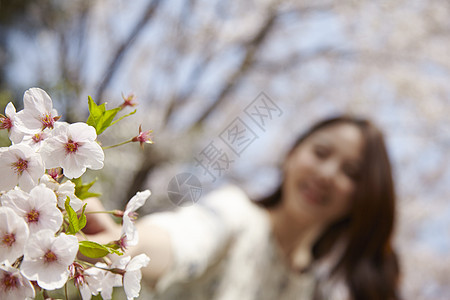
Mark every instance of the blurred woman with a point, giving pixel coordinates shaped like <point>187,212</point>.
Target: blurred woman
<point>325,233</point>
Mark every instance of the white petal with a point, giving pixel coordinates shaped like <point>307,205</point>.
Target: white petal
<point>17,200</point>
<point>49,182</point>
<point>25,289</point>
<point>106,292</point>
<point>26,122</point>
<point>138,262</point>
<point>66,247</point>
<point>82,132</point>
<point>38,244</point>
<point>43,194</point>
<point>10,110</point>
<point>85,292</point>
<point>30,268</point>
<point>73,166</point>
<point>53,157</point>
<point>37,99</point>
<point>67,189</point>
<point>121,263</point>
<point>9,178</point>
<point>11,223</point>
<point>26,182</point>
<point>137,201</point>
<point>75,203</point>
<point>132,284</point>
<point>53,278</point>
<point>130,231</point>
<point>94,155</point>
<point>15,135</point>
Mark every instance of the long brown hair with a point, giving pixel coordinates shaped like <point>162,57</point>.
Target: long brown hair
<point>368,263</point>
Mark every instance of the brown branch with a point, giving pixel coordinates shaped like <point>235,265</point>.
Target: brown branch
<point>181,98</point>
<point>124,47</point>
<point>250,50</point>
<point>251,47</point>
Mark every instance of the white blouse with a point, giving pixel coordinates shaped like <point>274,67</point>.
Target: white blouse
<point>224,249</point>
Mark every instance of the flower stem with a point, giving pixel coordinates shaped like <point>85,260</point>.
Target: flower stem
<point>66,291</point>
<point>83,235</point>
<point>117,145</point>
<point>91,265</point>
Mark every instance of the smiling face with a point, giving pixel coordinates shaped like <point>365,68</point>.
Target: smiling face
<point>321,174</point>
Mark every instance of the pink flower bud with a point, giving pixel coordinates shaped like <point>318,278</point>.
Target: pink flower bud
<point>118,213</point>
<point>129,100</point>
<point>55,173</point>
<point>143,137</point>
<point>5,122</point>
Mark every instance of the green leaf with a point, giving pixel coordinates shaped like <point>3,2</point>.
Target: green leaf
<point>82,219</point>
<point>123,117</point>
<point>113,249</point>
<point>82,190</point>
<point>95,112</point>
<point>99,117</point>
<point>75,223</point>
<point>96,250</point>
<point>73,219</point>
<point>93,249</point>
<point>113,245</point>
<point>107,119</point>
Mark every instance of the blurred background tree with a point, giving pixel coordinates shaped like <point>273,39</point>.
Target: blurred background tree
<point>195,66</point>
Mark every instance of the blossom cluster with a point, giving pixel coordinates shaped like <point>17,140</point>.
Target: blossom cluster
<point>42,212</point>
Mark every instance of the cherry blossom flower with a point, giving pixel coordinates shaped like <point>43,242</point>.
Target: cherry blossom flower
<point>13,286</point>
<point>38,208</point>
<point>107,280</point>
<point>9,121</point>
<point>55,173</point>
<point>19,164</point>
<point>47,258</point>
<point>62,191</point>
<point>13,235</point>
<point>132,275</point>
<point>73,147</point>
<point>143,137</point>
<point>38,112</point>
<point>88,281</point>
<point>35,140</point>
<point>130,269</point>
<point>128,228</point>
<point>129,100</point>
